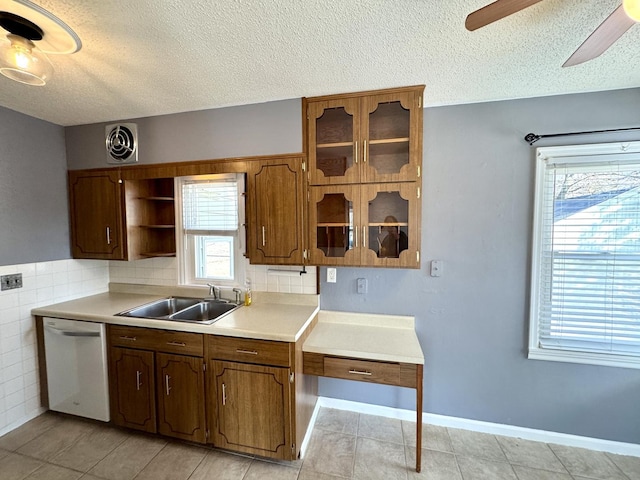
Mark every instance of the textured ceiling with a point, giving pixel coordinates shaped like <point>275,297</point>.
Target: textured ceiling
<point>150,57</point>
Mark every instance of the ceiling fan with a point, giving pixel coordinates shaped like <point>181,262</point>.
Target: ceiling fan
<point>615,25</point>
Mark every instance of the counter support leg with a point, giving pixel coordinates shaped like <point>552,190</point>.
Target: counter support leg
<point>419,418</point>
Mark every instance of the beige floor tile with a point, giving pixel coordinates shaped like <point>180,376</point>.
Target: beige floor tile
<point>530,454</point>
<point>88,476</point>
<point>340,421</point>
<point>476,444</point>
<point>259,470</point>
<point>16,467</point>
<point>221,466</point>
<point>174,462</point>
<point>56,439</point>
<point>90,448</point>
<point>435,465</point>
<point>587,463</point>
<point>54,472</point>
<point>473,468</point>
<point>27,432</point>
<point>630,466</point>
<point>376,460</point>
<point>332,453</point>
<point>380,428</point>
<point>3,453</point>
<point>434,437</point>
<point>526,473</point>
<point>311,475</point>
<point>129,458</point>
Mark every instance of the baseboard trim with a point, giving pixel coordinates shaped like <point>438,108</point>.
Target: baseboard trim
<point>598,444</point>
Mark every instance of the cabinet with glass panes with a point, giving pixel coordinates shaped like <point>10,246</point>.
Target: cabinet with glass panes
<point>365,159</point>
<point>374,225</point>
<point>365,137</point>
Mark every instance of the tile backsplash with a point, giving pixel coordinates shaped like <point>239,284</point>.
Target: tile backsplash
<point>57,281</point>
<point>42,283</point>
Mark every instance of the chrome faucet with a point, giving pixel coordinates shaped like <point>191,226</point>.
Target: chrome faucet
<point>214,292</point>
<point>238,292</point>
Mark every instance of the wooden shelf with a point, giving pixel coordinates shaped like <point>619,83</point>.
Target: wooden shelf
<point>333,225</point>
<point>158,254</point>
<point>157,226</point>
<point>389,140</point>
<point>334,145</point>
<point>162,199</point>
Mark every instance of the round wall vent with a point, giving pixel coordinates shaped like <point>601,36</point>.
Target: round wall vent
<point>122,143</point>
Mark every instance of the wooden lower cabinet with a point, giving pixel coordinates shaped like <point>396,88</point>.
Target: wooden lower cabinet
<point>180,387</point>
<point>253,409</point>
<point>153,390</point>
<point>132,385</point>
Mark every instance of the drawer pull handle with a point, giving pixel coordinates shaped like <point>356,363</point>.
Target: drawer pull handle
<point>177,344</point>
<point>224,394</point>
<point>125,337</point>
<point>360,372</point>
<point>248,352</point>
<point>138,379</point>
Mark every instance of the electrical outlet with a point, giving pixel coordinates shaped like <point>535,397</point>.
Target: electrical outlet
<point>331,275</point>
<point>362,285</point>
<point>9,282</point>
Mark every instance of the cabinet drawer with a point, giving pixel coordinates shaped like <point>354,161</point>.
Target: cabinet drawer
<point>264,352</point>
<point>363,370</point>
<point>158,340</point>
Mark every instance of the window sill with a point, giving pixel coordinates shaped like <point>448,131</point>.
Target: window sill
<point>586,358</point>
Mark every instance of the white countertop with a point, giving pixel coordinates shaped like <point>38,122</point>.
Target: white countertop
<point>390,338</point>
<point>281,317</point>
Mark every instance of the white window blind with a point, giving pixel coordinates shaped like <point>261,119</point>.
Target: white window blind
<point>210,206</point>
<point>586,272</point>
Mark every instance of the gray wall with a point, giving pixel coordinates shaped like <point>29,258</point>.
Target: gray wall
<point>477,207</point>
<point>473,321</point>
<point>260,129</point>
<point>34,220</point>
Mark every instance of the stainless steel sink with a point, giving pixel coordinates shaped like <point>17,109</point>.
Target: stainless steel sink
<point>182,309</point>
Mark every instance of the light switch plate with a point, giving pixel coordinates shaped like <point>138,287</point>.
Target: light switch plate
<point>331,275</point>
<point>436,268</point>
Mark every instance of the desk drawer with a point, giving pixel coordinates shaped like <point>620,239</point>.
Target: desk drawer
<point>182,343</point>
<point>363,370</point>
<point>246,350</point>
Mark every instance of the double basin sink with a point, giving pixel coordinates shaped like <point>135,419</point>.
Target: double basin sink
<point>183,309</point>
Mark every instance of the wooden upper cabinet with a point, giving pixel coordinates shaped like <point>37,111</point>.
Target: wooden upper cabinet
<point>275,206</point>
<point>366,137</point>
<point>374,225</point>
<point>119,219</point>
<point>96,201</point>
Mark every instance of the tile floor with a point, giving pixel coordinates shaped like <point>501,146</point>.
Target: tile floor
<point>344,445</point>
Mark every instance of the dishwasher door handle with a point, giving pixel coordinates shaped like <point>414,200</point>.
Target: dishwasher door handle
<point>72,333</point>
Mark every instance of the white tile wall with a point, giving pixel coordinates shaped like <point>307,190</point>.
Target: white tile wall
<point>51,282</point>
<point>164,271</point>
<point>43,283</point>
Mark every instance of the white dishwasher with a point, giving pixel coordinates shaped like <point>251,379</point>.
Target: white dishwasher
<point>76,355</point>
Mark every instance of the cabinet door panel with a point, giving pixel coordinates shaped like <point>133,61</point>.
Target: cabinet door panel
<point>275,211</point>
<point>132,389</point>
<point>180,386</point>
<point>334,152</point>
<point>392,137</point>
<point>253,409</point>
<point>96,215</point>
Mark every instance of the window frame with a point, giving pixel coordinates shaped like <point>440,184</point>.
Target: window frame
<point>628,152</point>
<point>186,243</point>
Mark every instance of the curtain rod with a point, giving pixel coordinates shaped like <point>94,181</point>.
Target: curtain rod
<point>532,138</point>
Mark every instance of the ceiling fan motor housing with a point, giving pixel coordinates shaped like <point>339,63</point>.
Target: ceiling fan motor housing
<point>121,141</point>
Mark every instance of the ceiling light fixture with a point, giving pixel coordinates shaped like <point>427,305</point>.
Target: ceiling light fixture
<point>32,33</point>
<point>20,60</point>
<point>632,9</point>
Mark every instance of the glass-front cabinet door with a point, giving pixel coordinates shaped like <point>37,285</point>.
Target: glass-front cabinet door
<point>391,140</point>
<point>332,220</point>
<point>365,225</point>
<point>333,141</point>
<point>389,222</point>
